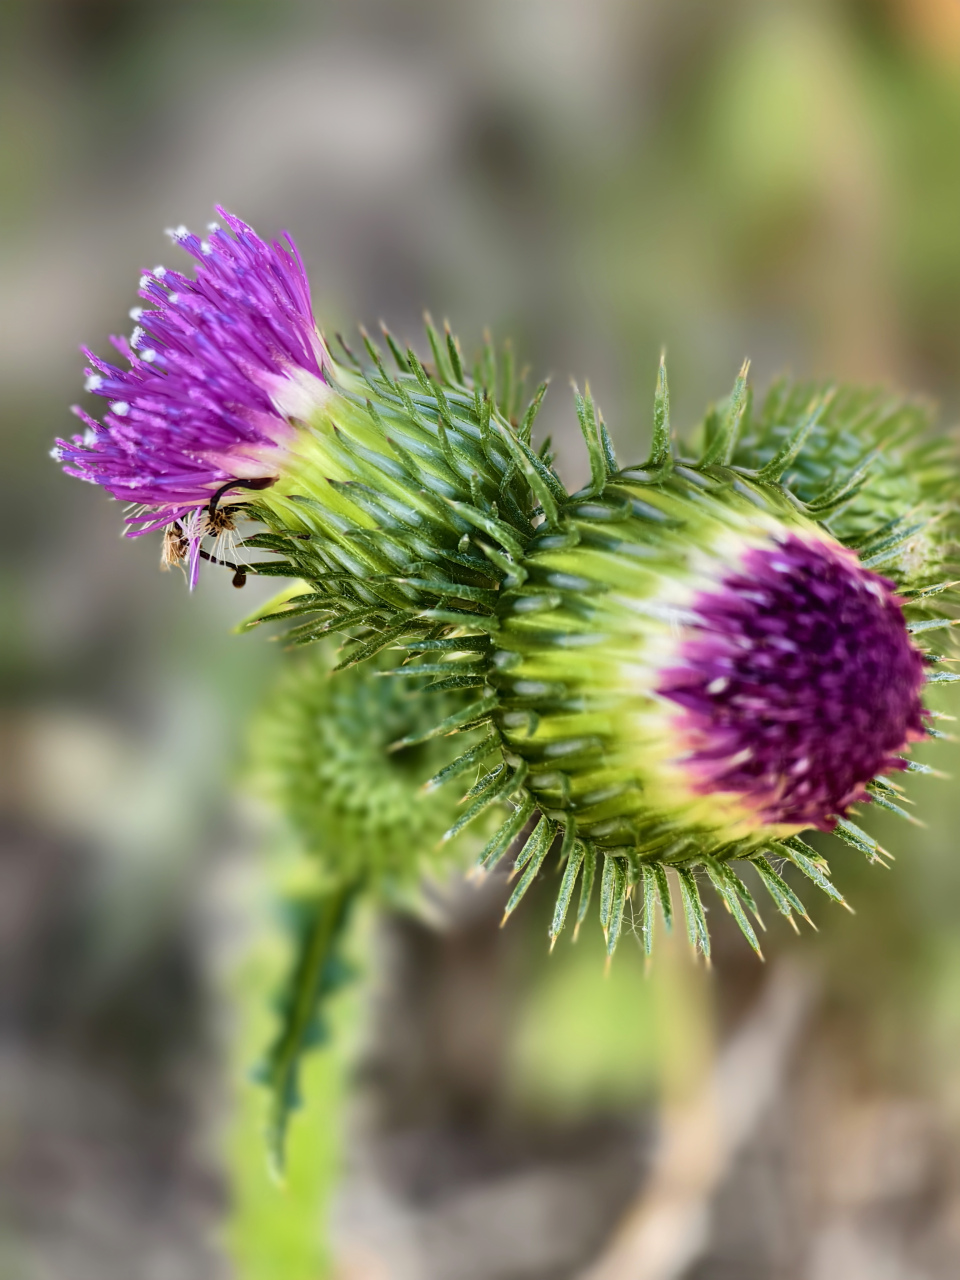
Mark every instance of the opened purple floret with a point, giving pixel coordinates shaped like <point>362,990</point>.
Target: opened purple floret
<point>798,683</point>
<point>215,364</point>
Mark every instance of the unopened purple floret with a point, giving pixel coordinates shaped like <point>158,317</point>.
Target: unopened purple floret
<point>209,359</point>
<point>799,683</point>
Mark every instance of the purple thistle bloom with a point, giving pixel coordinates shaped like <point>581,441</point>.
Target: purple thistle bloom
<point>799,683</point>
<point>218,366</point>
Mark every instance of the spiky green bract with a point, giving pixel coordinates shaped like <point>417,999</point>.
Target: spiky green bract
<point>322,757</point>
<point>869,465</point>
<point>409,504</point>
<point>539,601</point>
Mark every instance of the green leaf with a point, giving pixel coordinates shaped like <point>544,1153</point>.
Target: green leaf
<point>448,644</point>
<point>368,615</point>
<point>315,974</point>
<point>462,618</point>
<point>844,489</point>
<point>451,590</point>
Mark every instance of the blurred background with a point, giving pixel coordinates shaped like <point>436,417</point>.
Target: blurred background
<point>595,178</point>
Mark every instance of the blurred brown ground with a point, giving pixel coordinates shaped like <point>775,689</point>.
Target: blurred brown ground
<point>597,178</point>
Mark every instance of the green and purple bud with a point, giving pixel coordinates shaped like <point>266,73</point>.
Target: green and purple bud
<point>694,665</point>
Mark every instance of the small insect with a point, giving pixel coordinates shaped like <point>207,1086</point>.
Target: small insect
<point>212,521</point>
<point>175,546</point>
<point>218,523</point>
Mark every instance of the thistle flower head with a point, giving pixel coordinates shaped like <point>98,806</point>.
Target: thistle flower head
<point>220,364</point>
<point>796,682</point>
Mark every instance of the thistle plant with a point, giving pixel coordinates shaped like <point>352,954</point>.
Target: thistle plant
<point>321,757</point>
<point>683,666</point>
